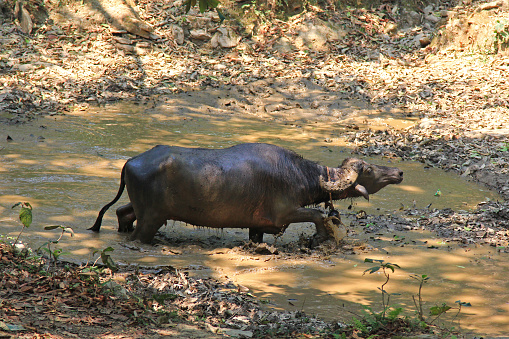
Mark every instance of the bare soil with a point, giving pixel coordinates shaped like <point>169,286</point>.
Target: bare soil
<point>455,88</point>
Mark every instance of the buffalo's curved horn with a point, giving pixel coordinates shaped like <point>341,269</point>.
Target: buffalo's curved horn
<point>342,183</point>
<point>362,191</point>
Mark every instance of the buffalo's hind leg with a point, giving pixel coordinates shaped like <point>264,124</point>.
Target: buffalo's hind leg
<point>146,229</point>
<point>126,218</point>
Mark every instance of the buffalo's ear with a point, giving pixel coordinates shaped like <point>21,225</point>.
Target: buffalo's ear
<point>358,165</point>
<point>353,164</point>
<point>362,191</point>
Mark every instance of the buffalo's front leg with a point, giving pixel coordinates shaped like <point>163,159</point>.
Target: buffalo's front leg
<point>126,218</point>
<point>308,215</point>
<point>255,235</point>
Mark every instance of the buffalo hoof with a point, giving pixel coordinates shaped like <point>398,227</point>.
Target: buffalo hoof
<point>125,228</point>
<point>316,240</point>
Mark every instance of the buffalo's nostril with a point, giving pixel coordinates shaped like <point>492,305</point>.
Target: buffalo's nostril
<point>401,173</point>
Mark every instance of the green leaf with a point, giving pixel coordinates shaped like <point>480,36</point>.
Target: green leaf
<point>189,4</point>
<point>25,215</point>
<point>161,298</point>
<point>373,260</point>
<point>391,266</point>
<point>51,227</point>
<point>221,15</point>
<point>11,327</point>
<point>203,5</point>
<point>372,270</point>
<point>106,259</point>
<point>212,3</point>
<point>47,250</point>
<point>438,310</point>
<point>393,314</point>
<point>462,303</point>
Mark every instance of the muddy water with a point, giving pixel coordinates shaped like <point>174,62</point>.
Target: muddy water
<point>69,167</point>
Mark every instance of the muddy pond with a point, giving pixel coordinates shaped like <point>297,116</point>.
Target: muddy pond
<point>69,167</point>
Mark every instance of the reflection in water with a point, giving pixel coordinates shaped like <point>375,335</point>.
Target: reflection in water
<point>70,173</point>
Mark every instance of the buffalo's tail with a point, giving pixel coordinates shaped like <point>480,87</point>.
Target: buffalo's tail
<point>97,225</point>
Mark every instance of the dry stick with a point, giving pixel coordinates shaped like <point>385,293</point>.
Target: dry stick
<point>383,294</point>
<point>419,308</point>
<point>16,241</point>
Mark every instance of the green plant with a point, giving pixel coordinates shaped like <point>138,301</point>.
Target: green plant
<point>373,324</point>
<point>25,216</point>
<point>46,247</point>
<point>385,267</point>
<point>501,38</point>
<point>204,6</point>
<point>94,270</point>
<point>106,259</point>
<point>161,298</point>
<point>418,303</point>
<point>504,148</point>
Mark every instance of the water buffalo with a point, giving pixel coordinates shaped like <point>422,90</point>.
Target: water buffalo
<point>257,186</point>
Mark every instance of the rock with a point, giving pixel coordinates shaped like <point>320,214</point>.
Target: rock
<point>225,37</point>
<point>25,21</point>
<point>431,18</point>
<point>490,5</point>
<point>391,28</point>
<point>316,34</point>
<point>200,34</point>
<point>263,248</point>
<point>283,45</point>
<point>199,22</point>
<point>428,10</point>
<point>447,14</point>
<point>236,333</point>
<point>143,44</point>
<point>135,26</point>
<point>373,55</point>
<point>414,18</point>
<point>123,41</point>
<point>117,289</point>
<point>127,48</point>
<point>177,33</point>
<point>19,247</point>
<point>417,40</point>
<point>25,67</point>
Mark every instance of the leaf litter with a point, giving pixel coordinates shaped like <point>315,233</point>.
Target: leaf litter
<point>72,301</point>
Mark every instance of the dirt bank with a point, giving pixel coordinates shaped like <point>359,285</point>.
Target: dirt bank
<point>459,99</point>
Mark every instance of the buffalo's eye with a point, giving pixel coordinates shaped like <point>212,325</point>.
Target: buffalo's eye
<point>368,170</point>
